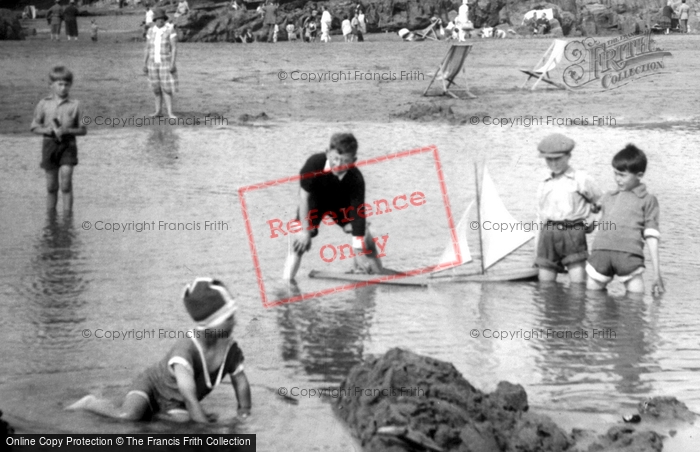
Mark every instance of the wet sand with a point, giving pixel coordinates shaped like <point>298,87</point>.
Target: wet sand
<point>230,80</point>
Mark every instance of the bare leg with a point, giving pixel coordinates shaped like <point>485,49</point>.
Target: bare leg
<point>51,189</point>
<point>292,264</point>
<point>169,104</point>
<point>159,99</point>
<point>577,272</point>
<point>635,285</point>
<point>592,284</point>
<point>133,408</point>
<point>66,182</point>
<point>547,275</point>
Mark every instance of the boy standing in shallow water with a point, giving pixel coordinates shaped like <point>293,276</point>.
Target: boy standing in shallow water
<point>633,216</point>
<point>566,197</point>
<point>336,190</point>
<point>58,119</point>
<point>173,387</point>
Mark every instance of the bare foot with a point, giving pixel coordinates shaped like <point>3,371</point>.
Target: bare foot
<point>172,116</point>
<point>154,115</point>
<point>81,404</point>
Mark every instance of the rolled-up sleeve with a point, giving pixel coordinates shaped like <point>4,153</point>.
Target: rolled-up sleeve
<point>651,217</point>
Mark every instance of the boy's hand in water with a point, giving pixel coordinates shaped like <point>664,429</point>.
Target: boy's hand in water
<point>303,243</point>
<point>657,288</point>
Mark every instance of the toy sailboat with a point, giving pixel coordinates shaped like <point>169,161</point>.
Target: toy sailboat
<point>495,244</point>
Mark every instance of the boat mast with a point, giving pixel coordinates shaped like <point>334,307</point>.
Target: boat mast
<point>478,215</point>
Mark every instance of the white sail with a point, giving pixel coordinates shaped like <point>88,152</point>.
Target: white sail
<point>500,235</point>
<point>448,255</point>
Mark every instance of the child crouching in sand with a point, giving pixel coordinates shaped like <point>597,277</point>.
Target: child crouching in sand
<point>173,387</point>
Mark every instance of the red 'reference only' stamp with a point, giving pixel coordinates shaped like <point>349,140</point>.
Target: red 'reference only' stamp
<point>280,230</point>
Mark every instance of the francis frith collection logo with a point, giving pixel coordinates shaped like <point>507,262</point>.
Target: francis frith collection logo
<point>613,63</point>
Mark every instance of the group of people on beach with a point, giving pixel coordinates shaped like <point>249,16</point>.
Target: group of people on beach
<point>57,14</point>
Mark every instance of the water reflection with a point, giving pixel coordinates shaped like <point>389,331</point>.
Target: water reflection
<point>602,337</point>
<point>326,335</point>
<point>162,146</point>
<point>54,295</point>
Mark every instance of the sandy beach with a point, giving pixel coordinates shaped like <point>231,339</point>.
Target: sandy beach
<point>254,112</point>
<point>377,80</point>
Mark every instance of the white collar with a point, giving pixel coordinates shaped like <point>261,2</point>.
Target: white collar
<point>327,169</point>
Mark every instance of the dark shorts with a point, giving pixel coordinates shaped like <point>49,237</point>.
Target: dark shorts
<point>561,245</point>
<point>319,217</point>
<point>54,155</point>
<point>163,400</point>
<point>604,264</point>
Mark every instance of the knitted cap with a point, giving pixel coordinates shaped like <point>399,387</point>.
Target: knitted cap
<point>555,145</point>
<point>208,302</point>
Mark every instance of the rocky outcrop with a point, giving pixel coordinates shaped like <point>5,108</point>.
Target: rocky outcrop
<point>402,398</point>
<point>573,17</point>
<point>10,27</point>
<point>404,402</point>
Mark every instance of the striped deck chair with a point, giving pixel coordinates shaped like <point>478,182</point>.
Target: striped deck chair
<point>551,58</point>
<point>449,69</point>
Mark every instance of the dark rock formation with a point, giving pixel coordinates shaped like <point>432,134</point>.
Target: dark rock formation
<point>574,17</point>
<point>10,27</point>
<point>405,402</point>
<point>435,404</point>
<point>665,408</point>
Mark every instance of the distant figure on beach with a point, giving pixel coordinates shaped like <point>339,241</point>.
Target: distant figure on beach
<point>326,21</point>
<point>55,17</point>
<point>182,8</point>
<point>310,28</point>
<point>148,22</point>
<point>683,14</point>
<point>566,197</point>
<point>159,62</point>
<point>542,24</point>
<point>462,23</point>
<point>666,15</point>
<point>362,21</point>
<point>630,218</point>
<point>291,33</point>
<point>346,26</point>
<point>93,30</point>
<point>270,19</point>
<point>356,30</point>
<point>330,195</point>
<point>70,15</point>
<point>58,118</point>
<point>174,387</point>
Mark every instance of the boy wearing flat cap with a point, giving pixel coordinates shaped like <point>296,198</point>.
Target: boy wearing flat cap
<point>565,199</point>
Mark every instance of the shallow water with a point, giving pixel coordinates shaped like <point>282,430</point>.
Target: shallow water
<point>59,278</point>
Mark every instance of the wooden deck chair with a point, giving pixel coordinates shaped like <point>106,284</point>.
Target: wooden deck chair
<point>449,69</point>
<point>551,58</point>
<point>428,32</point>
